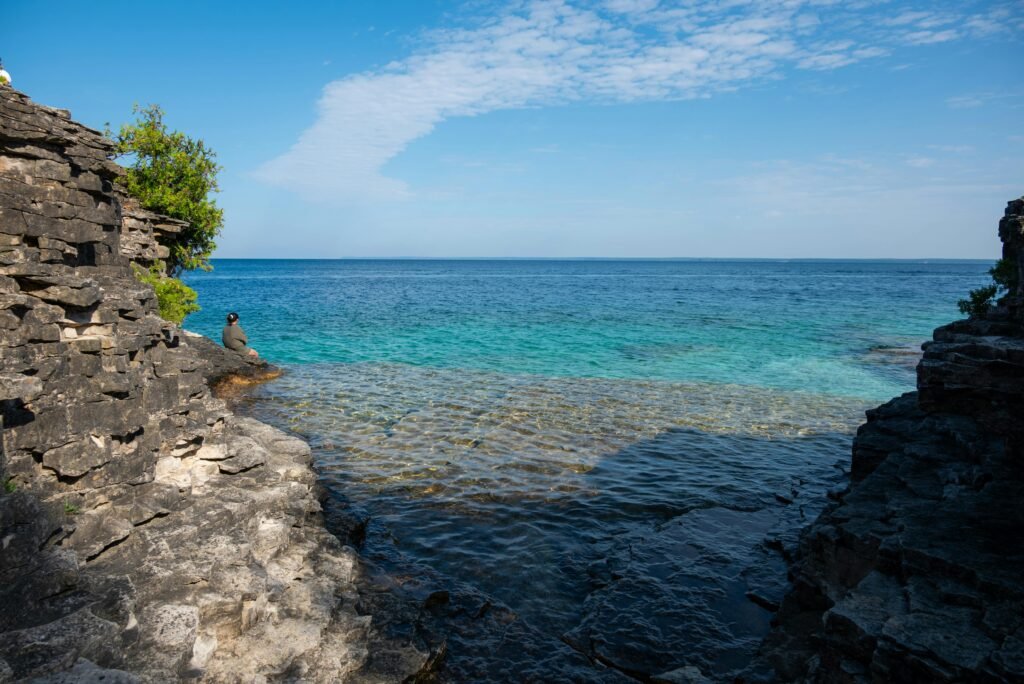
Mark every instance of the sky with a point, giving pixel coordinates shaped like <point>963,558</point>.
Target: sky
<point>557,128</point>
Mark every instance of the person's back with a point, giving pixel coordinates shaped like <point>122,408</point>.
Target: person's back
<point>234,337</point>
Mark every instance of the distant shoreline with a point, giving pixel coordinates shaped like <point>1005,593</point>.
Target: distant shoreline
<point>779,260</point>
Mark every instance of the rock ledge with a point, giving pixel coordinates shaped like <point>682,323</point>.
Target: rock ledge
<point>146,533</point>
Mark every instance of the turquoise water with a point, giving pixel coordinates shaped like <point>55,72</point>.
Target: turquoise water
<point>814,326</point>
<point>600,461</point>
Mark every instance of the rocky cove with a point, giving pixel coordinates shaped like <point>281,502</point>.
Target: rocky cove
<point>150,534</point>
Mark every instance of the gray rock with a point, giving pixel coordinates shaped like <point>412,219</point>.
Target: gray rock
<point>19,387</point>
<point>913,573</point>
<point>151,535</point>
<point>86,672</point>
<point>221,366</point>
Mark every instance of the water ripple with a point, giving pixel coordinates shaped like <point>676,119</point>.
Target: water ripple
<point>621,517</point>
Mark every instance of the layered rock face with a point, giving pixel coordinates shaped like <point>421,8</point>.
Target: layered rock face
<point>915,573</point>
<point>147,533</point>
<point>144,234</point>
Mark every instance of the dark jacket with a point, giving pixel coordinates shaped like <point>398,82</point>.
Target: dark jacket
<point>234,338</point>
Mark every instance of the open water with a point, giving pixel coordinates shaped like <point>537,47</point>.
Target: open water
<point>603,462</point>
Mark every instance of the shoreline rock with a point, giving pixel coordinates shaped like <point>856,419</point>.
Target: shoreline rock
<point>148,534</point>
<point>914,573</point>
<point>227,373</point>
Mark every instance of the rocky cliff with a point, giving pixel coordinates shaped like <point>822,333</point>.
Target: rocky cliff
<point>914,573</point>
<point>146,533</point>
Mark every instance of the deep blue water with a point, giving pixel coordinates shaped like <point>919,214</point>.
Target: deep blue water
<point>605,450</point>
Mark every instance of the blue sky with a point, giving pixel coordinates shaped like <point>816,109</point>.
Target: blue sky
<point>671,128</point>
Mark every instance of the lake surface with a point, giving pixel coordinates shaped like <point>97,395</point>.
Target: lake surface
<point>601,461</point>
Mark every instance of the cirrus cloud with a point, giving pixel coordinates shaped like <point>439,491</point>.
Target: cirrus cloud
<point>550,52</point>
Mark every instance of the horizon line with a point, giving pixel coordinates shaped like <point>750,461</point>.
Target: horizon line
<point>588,258</point>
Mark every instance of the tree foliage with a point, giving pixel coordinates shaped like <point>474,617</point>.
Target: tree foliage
<point>172,174</point>
<point>175,299</point>
<point>1005,274</point>
<point>979,301</point>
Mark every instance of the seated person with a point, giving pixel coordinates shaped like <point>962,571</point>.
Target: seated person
<point>234,337</point>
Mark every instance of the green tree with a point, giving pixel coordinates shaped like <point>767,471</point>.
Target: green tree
<point>172,174</point>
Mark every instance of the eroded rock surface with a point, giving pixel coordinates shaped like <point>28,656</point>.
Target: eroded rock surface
<point>914,574</point>
<point>224,369</point>
<point>146,533</point>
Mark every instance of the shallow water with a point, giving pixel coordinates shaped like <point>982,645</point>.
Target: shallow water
<point>597,458</point>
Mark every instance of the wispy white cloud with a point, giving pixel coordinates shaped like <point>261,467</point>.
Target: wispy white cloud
<point>974,100</point>
<point>865,200</point>
<point>631,6</point>
<point>930,37</point>
<point>544,52</point>
<point>941,26</point>
<point>953,149</point>
<point>965,101</point>
<point>906,18</point>
<point>919,162</point>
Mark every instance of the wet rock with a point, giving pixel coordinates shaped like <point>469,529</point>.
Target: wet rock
<point>682,675</point>
<point>436,600</point>
<point>681,583</point>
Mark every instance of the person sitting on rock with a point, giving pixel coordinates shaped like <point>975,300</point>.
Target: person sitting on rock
<point>234,337</point>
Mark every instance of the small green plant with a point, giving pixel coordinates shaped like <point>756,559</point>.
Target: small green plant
<point>10,486</point>
<point>70,508</point>
<point>1005,279</point>
<point>175,299</point>
<point>1005,274</point>
<point>979,301</point>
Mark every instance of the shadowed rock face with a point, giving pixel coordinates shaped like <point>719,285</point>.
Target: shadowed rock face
<point>914,574</point>
<point>147,533</point>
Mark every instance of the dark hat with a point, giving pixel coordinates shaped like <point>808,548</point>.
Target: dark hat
<point>232,317</point>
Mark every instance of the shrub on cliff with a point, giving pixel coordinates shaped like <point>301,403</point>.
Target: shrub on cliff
<point>172,174</point>
<point>175,299</point>
<point>979,301</point>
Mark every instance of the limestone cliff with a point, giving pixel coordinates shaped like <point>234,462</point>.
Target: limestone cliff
<point>146,533</point>
<point>914,573</point>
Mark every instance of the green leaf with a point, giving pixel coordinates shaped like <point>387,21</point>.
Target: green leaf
<point>172,174</point>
